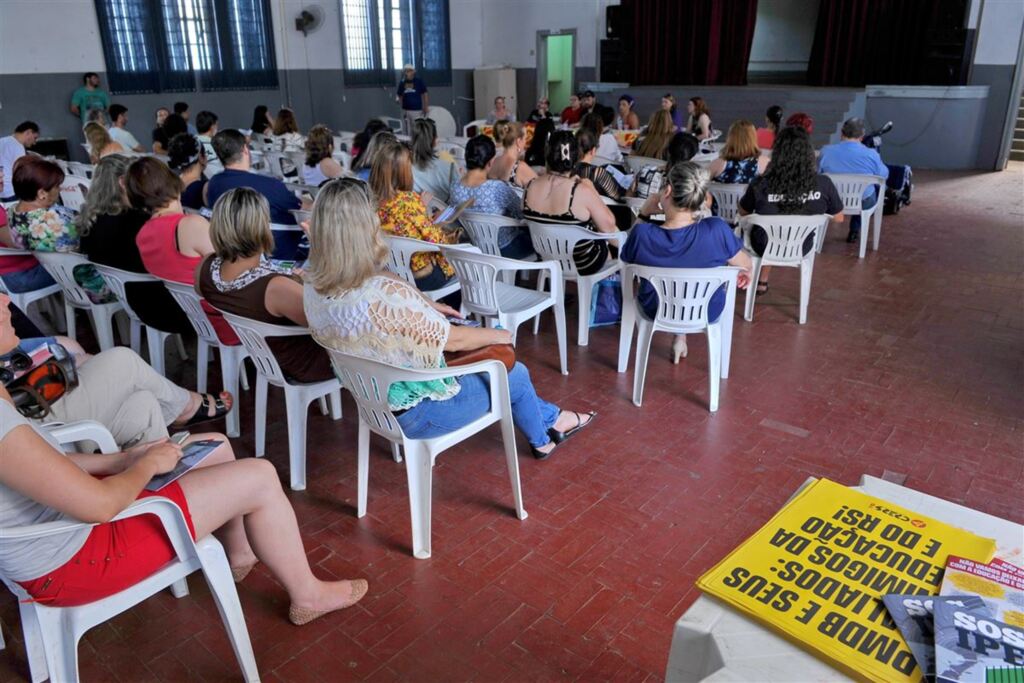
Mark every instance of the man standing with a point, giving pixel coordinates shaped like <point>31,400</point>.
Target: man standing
<point>118,132</point>
<point>13,148</point>
<point>90,96</point>
<point>850,155</point>
<point>412,93</point>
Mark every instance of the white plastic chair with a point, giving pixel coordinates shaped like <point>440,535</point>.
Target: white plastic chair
<point>156,340</point>
<point>299,189</point>
<point>401,250</point>
<point>475,125</point>
<point>554,242</point>
<point>499,303</point>
<point>637,163</point>
<point>683,298</point>
<point>728,196</point>
<point>73,192</point>
<point>851,187</point>
<point>61,268</point>
<point>483,229</point>
<point>786,235</point>
<point>25,299</point>
<point>232,358</point>
<point>297,397</point>
<point>443,121</point>
<point>368,381</point>
<point>77,168</point>
<point>52,633</point>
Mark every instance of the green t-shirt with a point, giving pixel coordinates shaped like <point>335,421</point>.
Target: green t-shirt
<point>86,100</point>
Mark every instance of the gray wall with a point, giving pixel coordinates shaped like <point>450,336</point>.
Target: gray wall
<point>999,79</point>
<point>317,96</point>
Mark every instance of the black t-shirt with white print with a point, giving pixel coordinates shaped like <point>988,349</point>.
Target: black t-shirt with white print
<point>824,198</point>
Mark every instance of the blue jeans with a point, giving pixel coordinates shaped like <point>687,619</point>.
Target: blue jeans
<point>866,203</point>
<point>29,280</point>
<point>532,415</point>
<point>519,248</point>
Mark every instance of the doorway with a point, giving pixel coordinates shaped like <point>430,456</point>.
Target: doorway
<point>556,67</point>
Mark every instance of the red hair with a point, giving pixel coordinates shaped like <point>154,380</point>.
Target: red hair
<point>802,120</point>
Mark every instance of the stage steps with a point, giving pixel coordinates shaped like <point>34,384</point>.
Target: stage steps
<point>1017,147</point>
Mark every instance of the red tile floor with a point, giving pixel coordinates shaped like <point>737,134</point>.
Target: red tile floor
<point>910,362</point>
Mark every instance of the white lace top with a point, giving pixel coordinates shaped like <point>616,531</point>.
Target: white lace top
<point>385,320</point>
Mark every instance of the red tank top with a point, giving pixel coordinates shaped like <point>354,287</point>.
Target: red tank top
<point>158,246</point>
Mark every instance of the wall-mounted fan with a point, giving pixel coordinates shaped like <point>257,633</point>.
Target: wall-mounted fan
<point>309,19</point>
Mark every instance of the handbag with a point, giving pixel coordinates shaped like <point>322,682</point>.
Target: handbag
<point>35,391</point>
<point>506,353</point>
<point>606,302</point>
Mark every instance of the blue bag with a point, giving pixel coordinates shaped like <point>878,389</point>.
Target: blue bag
<point>606,302</point>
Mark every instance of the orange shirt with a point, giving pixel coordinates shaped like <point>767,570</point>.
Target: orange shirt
<point>405,215</point>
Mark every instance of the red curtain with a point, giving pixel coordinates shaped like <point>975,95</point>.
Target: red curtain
<point>699,42</point>
<point>858,42</point>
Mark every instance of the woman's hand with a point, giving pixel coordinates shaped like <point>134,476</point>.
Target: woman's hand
<point>743,279</point>
<point>163,455</point>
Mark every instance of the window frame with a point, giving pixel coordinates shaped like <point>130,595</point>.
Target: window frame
<point>151,33</point>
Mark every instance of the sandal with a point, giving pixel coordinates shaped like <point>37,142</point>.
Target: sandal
<point>221,406</point>
<point>558,437</point>
<point>762,287</point>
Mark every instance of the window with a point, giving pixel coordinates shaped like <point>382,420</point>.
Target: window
<point>182,45</point>
<point>380,36</point>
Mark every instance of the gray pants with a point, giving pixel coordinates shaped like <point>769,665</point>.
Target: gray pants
<point>408,116</point>
<point>122,392</point>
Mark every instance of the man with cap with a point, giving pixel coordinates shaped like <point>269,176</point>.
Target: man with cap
<point>412,94</point>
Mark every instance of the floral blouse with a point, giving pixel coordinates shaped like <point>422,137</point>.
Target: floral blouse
<point>405,215</point>
<point>53,229</point>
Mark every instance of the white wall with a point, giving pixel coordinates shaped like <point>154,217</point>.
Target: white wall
<point>999,32</point>
<point>783,35</point>
<point>62,36</point>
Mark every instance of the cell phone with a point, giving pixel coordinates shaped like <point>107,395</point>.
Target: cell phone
<point>465,322</point>
<point>180,437</point>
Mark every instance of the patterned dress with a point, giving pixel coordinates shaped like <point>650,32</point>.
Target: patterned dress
<point>405,215</point>
<point>53,229</point>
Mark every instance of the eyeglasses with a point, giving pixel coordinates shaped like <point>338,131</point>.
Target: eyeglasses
<point>13,363</point>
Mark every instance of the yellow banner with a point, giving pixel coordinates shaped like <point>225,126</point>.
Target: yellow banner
<point>817,570</point>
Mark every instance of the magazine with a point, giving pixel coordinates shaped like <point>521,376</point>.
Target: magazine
<point>972,647</point>
<point>913,617</point>
<point>999,583</point>
<point>452,213</point>
<point>817,570</point>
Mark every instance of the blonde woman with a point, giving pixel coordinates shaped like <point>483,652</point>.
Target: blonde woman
<point>100,142</point>
<point>508,166</point>
<point>656,137</point>
<point>239,278</point>
<point>740,161</point>
<point>354,306</point>
<point>320,166</point>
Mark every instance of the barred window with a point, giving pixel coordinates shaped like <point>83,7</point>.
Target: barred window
<point>380,36</point>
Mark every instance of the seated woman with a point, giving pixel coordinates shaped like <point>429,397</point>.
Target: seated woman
<point>740,160</point>
<point>171,243</point>
<point>38,223</point>
<point>361,167</point>
<point>356,307</point>
<point>100,142</point>
<point>607,151</point>
<point>320,166</point>
<point>491,196</point>
<point>262,121</point>
<point>19,273</point>
<point>535,151</point>
<point>603,181</point>
<point>187,158</point>
<point>403,213</point>
<point>500,112</point>
<point>668,104</point>
<point>772,124</point>
<point>684,240</point>
<point>560,197</point>
<point>39,483</point>
<point>656,136</point>
<point>510,166</point>
<point>239,278</point>
<point>682,147</point>
<point>430,173</point>
<point>542,111</point>
<point>801,120</point>
<point>173,125</point>
<point>286,130</point>
<point>108,226</point>
<point>791,185</point>
<point>626,118</point>
<point>362,139</point>
<point>698,121</point>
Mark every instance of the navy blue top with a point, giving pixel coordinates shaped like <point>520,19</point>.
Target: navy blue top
<point>192,196</point>
<point>411,93</point>
<point>280,197</point>
<point>708,243</point>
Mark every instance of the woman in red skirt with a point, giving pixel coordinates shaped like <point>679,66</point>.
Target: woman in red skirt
<point>241,502</point>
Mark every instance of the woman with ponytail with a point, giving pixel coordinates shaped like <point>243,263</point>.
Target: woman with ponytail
<point>561,197</point>
<point>772,123</point>
<point>689,238</point>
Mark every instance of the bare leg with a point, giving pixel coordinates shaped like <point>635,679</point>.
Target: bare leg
<point>192,406</point>
<point>566,421</point>
<point>251,490</point>
<point>763,278</point>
